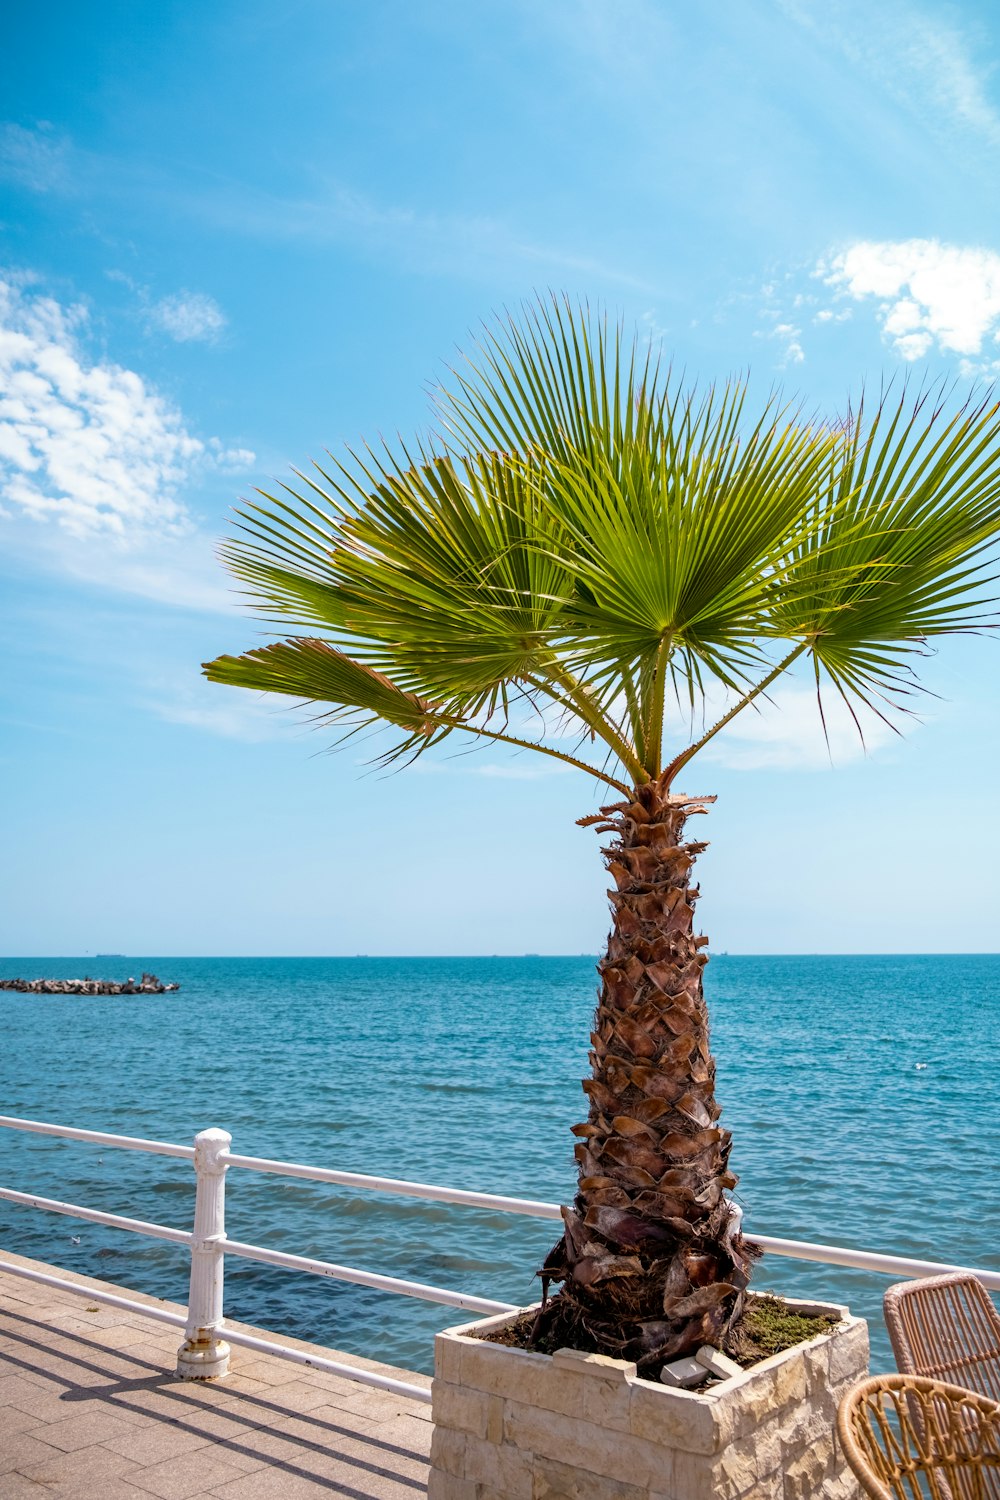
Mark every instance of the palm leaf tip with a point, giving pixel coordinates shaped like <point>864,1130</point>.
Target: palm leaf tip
<point>315,672</point>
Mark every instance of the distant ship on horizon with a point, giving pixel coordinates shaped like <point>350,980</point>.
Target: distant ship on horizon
<point>109,955</point>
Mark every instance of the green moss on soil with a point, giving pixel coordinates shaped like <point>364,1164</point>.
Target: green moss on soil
<point>768,1326</point>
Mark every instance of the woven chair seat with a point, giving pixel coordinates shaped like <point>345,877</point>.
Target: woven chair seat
<point>910,1438</point>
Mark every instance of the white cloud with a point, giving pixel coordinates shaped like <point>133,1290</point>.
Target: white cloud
<point>182,572</point>
<point>929,293</point>
<point>787,734</point>
<point>188,317</point>
<point>230,460</point>
<point>232,713</point>
<point>524,765</point>
<point>941,57</point>
<point>437,242</point>
<point>922,62</point>
<point>515,772</point>
<point>94,463</point>
<point>789,335</point>
<point>36,159</point>
<point>92,447</point>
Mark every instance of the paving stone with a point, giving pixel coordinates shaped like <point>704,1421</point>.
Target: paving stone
<point>224,1424</point>
<point>296,1395</point>
<point>20,1487</point>
<point>268,1371</point>
<point>277,1484</point>
<point>123,1428</point>
<point>328,1382</point>
<point>111,1489</point>
<point>323,1427</point>
<point>15,1390</point>
<point>82,1466</point>
<point>121,1336</point>
<point>12,1420</point>
<point>379,1446</point>
<point>22,1449</point>
<point>336,1477</point>
<point>83,1431</point>
<point>189,1474</point>
<point>150,1443</point>
<point>48,1405</point>
<point>381,1405</point>
<point>238,1454</point>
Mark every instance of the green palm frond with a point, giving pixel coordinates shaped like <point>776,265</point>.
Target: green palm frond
<point>354,696</point>
<point>906,547</point>
<point>587,538</point>
<point>558,379</point>
<point>315,672</point>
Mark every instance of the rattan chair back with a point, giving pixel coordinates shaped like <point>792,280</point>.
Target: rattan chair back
<point>910,1438</point>
<point>946,1327</point>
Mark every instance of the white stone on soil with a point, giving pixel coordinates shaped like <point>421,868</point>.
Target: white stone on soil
<point>683,1373</point>
<point>717,1363</point>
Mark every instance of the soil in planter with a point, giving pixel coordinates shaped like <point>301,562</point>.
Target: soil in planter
<point>767,1327</point>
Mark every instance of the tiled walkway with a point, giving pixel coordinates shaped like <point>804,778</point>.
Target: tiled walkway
<point>90,1410</point>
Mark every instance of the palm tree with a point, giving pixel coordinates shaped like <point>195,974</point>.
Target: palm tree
<point>584,544</point>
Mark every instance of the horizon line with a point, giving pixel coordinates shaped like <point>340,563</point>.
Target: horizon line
<point>346,957</point>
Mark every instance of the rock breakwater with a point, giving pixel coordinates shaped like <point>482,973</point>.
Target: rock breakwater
<point>147,985</point>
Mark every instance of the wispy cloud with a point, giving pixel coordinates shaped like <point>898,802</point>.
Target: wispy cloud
<point>929,295</point>
<point>789,339</point>
<point>35,158</point>
<point>787,734</point>
<point>328,212</point>
<point>231,713</point>
<point>523,766</point>
<point>466,244</point>
<point>926,62</point>
<point>780,311</point>
<point>785,731</point>
<point>623,44</point>
<point>188,317</point>
<point>230,460</point>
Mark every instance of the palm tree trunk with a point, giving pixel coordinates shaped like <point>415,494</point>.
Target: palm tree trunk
<point>652,1263</point>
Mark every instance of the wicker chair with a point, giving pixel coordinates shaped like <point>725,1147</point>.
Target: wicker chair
<point>946,1327</point>
<point>910,1438</point>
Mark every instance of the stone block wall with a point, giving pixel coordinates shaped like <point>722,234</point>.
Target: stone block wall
<point>510,1425</point>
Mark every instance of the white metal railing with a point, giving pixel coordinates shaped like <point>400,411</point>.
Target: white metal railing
<point>205,1352</point>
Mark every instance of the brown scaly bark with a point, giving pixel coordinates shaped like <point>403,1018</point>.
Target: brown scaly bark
<point>652,1264</point>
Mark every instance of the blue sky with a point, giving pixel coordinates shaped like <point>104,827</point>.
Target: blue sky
<point>235,235</point>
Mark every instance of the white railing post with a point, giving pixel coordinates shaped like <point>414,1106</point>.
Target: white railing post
<point>204,1355</point>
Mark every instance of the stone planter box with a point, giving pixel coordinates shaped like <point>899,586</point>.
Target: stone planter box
<point>511,1425</point>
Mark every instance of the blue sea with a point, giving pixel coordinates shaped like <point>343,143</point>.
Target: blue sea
<point>861,1093</point>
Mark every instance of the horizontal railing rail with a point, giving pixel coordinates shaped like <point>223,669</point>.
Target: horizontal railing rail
<point>205,1351</point>
<point>95,1216</point>
<point>398,1186</point>
<point>417,1289</point>
<point>98,1137</point>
